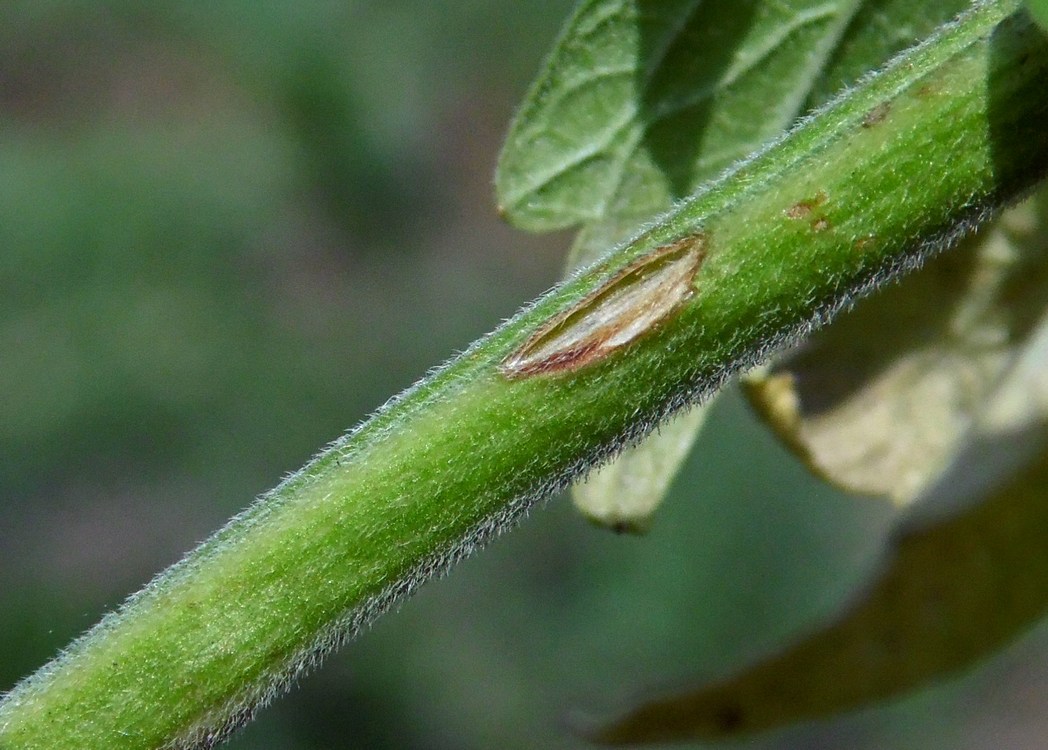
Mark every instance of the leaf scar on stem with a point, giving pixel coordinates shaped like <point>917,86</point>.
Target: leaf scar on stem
<point>631,303</point>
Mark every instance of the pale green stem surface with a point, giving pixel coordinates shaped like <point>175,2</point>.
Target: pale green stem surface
<point>866,188</point>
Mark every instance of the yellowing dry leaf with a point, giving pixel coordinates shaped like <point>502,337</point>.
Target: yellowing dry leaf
<point>878,402</point>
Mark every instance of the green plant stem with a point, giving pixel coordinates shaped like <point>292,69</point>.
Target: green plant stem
<point>864,189</point>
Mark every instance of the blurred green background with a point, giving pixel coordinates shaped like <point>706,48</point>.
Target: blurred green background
<point>230,230</point>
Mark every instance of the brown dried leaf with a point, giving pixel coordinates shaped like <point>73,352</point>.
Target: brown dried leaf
<point>966,573</point>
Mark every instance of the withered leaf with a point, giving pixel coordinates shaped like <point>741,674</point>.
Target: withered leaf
<point>879,402</point>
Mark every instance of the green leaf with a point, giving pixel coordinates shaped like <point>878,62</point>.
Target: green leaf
<point>879,402</point>
<point>879,30</point>
<point>1039,10</point>
<point>640,102</point>
<point>949,593</point>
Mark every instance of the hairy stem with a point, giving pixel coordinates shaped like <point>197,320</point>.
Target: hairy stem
<point>866,188</point>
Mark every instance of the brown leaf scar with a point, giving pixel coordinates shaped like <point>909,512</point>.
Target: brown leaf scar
<point>631,303</point>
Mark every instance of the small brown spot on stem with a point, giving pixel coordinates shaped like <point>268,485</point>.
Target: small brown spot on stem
<point>634,301</point>
<point>803,208</point>
<point>820,225</point>
<point>876,115</point>
<point>862,243</point>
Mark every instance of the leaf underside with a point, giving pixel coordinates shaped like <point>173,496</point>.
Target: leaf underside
<point>638,105</point>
